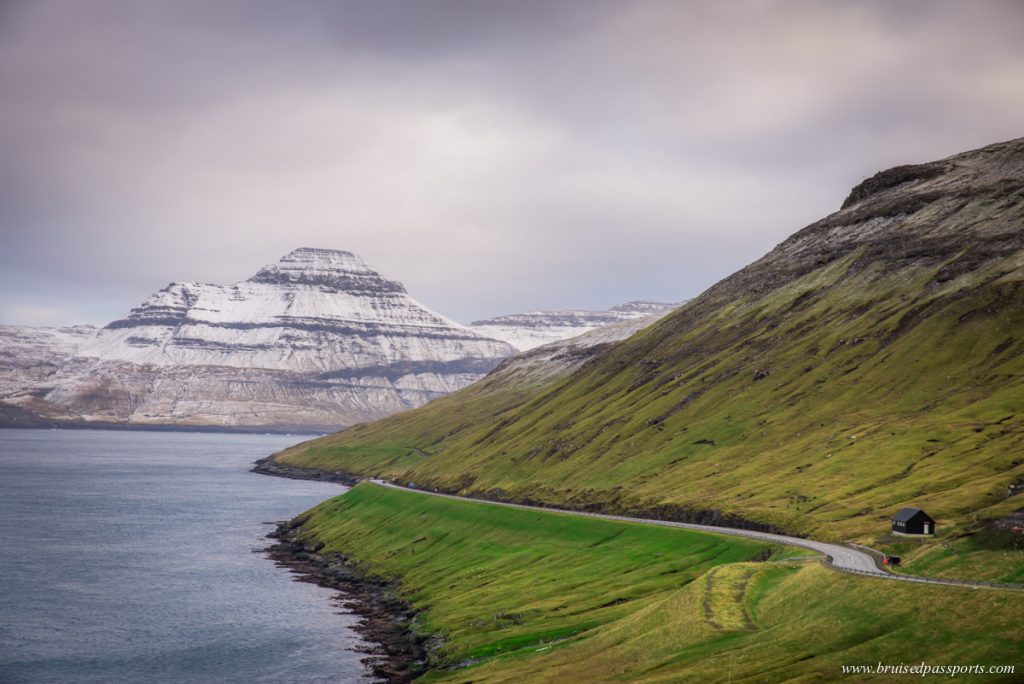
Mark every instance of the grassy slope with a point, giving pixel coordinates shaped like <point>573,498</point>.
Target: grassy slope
<point>843,435</point>
<point>896,378</point>
<point>531,596</point>
<point>398,443</point>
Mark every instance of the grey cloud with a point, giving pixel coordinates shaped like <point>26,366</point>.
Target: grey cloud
<point>495,156</point>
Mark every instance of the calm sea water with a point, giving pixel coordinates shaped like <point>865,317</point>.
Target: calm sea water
<point>128,557</point>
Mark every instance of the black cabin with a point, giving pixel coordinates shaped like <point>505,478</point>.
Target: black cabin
<point>913,521</point>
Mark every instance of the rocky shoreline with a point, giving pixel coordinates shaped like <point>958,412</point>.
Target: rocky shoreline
<point>385,619</point>
<point>270,466</point>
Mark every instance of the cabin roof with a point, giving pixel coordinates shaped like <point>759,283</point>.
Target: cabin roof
<point>905,514</point>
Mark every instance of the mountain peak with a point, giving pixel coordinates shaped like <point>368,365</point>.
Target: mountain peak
<point>999,165</point>
<point>309,253</point>
<point>317,339</point>
<point>332,270</point>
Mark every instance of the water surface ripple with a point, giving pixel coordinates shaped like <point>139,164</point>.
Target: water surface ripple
<point>128,557</point>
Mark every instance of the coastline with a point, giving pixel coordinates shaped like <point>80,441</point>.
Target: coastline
<point>269,466</point>
<point>384,523</point>
<point>385,619</point>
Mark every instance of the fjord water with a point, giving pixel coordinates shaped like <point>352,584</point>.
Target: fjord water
<point>128,557</point>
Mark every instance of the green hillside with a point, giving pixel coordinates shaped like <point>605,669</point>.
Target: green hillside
<point>529,596</point>
<point>871,361</point>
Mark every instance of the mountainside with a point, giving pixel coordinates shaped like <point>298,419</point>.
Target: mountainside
<point>403,439</point>
<point>559,358</point>
<point>317,341</point>
<point>873,360</point>
<point>535,328</point>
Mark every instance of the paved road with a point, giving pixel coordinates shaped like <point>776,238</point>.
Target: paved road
<point>839,556</point>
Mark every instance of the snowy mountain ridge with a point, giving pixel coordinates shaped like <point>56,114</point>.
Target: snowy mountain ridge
<point>533,329</point>
<point>314,311</point>
<point>317,340</point>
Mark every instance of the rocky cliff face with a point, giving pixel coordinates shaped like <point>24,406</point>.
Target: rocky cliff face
<point>318,340</point>
<point>535,328</point>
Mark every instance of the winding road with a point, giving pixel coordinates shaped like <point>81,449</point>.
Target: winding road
<point>839,556</point>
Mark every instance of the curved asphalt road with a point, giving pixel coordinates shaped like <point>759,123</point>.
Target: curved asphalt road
<point>839,556</point>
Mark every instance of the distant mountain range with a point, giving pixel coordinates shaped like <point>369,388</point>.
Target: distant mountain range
<point>315,342</point>
<point>535,328</point>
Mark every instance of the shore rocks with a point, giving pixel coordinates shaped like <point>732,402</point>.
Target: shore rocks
<point>385,619</point>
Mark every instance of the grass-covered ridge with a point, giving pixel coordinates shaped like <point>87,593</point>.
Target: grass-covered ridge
<point>504,579</point>
<point>530,596</point>
<point>872,361</point>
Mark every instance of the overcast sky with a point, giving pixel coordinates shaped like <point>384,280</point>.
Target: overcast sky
<point>494,156</point>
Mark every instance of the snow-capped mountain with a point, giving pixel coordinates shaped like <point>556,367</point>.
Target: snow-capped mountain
<point>535,328</point>
<point>318,340</point>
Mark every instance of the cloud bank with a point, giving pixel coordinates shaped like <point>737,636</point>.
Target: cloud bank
<point>494,156</point>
